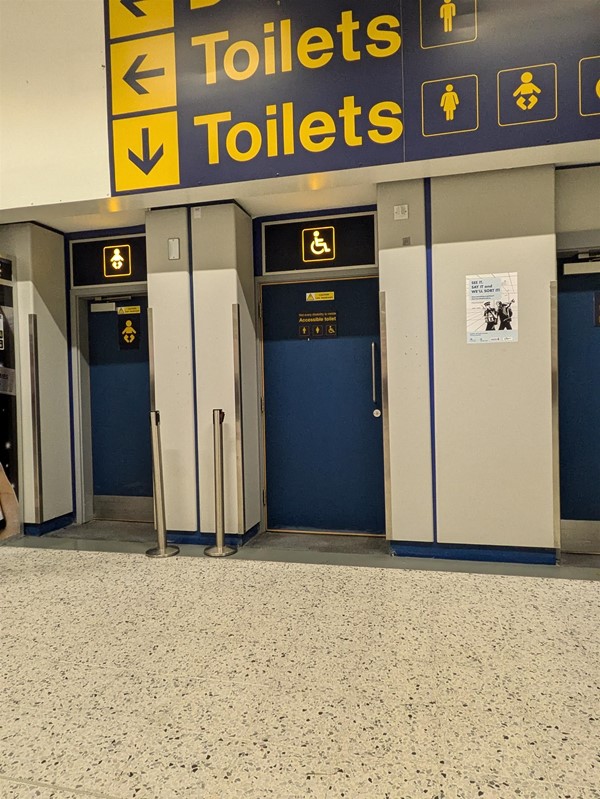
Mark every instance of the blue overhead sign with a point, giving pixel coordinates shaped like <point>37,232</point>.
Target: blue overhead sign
<point>213,91</point>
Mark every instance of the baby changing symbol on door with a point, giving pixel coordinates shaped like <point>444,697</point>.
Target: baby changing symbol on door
<point>129,334</point>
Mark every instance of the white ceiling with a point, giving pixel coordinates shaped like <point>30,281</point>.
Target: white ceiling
<point>296,194</point>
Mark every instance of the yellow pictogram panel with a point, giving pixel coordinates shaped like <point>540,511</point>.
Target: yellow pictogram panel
<point>589,86</point>
<point>117,260</point>
<point>146,152</point>
<point>318,244</point>
<point>132,17</point>
<point>143,76</point>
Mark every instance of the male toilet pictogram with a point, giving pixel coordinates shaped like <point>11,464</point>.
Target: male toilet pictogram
<point>318,245</point>
<point>449,102</point>
<point>447,14</point>
<point>526,92</point>
<point>129,332</point>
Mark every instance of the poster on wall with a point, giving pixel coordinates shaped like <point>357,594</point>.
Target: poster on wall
<point>492,308</point>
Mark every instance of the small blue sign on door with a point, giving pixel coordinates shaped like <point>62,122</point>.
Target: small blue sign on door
<point>450,105</point>
<point>527,94</point>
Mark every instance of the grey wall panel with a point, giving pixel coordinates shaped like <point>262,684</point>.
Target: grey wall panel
<point>403,278</point>
<point>393,233</point>
<point>493,205</point>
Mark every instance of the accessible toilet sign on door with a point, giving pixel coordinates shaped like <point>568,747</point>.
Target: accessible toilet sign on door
<point>215,91</point>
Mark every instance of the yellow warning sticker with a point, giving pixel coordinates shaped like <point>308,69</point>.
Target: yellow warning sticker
<point>128,310</point>
<point>320,296</point>
<point>132,17</point>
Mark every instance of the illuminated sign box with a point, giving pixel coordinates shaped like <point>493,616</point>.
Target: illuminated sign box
<point>108,261</point>
<point>117,261</point>
<point>342,241</point>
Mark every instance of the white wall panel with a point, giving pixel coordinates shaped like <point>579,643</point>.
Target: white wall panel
<point>214,294</point>
<point>169,296</point>
<point>53,126</point>
<point>38,262</point>
<point>493,402</point>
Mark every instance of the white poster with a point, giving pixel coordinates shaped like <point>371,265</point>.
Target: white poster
<point>492,308</point>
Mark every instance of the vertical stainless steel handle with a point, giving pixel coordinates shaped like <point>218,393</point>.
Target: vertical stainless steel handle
<point>239,418</point>
<point>151,358</point>
<point>373,373</point>
<point>34,367</point>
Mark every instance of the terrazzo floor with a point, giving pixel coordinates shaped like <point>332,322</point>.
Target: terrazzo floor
<point>190,678</point>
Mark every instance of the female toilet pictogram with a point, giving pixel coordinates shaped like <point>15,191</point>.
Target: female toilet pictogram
<point>449,102</point>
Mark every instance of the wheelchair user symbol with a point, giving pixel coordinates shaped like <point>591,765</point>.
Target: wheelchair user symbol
<point>318,245</point>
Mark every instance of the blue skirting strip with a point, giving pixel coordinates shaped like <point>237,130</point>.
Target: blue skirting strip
<point>50,526</point>
<point>208,539</point>
<point>412,549</point>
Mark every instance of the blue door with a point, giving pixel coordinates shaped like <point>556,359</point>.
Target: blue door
<point>322,391</point>
<point>120,402</point>
<point>579,396</point>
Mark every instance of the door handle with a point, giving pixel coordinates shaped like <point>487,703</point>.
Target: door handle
<point>373,377</point>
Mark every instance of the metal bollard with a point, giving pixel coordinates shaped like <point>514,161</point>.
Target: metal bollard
<point>162,550</point>
<point>220,550</point>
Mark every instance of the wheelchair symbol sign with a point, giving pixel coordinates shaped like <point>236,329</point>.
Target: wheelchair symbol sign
<point>318,244</point>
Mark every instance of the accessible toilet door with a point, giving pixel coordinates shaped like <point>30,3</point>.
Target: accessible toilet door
<point>322,390</point>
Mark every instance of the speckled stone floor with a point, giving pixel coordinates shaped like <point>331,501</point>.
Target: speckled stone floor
<point>191,678</point>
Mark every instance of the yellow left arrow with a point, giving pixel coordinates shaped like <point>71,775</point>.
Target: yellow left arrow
<point>143,76</point>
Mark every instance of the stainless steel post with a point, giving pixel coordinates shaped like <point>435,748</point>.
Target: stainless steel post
<point>36,428</point>
<point>220,550</point>
<point>162,550</point>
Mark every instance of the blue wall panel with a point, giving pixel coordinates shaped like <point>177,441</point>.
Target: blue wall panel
<point>579,398</point>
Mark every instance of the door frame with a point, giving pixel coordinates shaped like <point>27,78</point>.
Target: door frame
<point>320,276</point>
<point>80,381</point>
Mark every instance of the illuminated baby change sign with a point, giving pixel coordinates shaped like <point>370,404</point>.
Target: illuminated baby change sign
<point>213,91</point>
